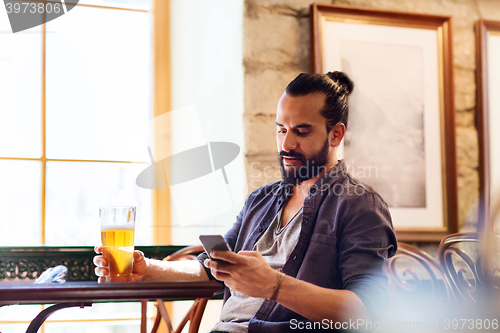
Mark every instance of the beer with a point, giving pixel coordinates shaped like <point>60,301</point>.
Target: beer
<point>118,248</point>
<point>117,236</point>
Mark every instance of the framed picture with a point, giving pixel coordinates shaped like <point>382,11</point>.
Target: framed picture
<point>400,137</point>
<point>488,114</point>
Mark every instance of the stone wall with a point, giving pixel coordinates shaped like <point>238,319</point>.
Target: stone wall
<point>277,48</point>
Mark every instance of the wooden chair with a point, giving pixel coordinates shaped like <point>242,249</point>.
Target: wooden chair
<point>462,268</point>
<point>416,277</point>
<point>195,313</point>
<point>462,256</point>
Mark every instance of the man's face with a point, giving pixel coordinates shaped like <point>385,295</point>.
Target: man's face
<point>303,143</point>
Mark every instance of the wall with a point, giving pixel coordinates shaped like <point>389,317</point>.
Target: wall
<point>207,90</point>
<point>207,106</point>
<point>277,48</point>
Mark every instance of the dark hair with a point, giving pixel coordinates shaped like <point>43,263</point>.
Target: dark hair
<point>336,86</point>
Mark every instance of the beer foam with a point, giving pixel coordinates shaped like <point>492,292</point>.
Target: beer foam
<point>130,226</point>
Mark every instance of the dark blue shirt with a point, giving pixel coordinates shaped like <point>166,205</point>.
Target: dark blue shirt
<point>345,241</point>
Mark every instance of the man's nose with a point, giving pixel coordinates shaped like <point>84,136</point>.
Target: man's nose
<point>289,142</point>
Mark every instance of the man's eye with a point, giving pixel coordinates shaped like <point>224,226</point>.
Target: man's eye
<point>302,133</point>
<point>281,131</point>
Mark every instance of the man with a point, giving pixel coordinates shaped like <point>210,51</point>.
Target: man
<point>312,247</point>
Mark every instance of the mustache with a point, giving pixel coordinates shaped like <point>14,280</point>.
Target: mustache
<point>290,153</point>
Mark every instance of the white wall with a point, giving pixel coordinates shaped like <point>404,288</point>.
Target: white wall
<point>207,90</point>
<point>207,83</point>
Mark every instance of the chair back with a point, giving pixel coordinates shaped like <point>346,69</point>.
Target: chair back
<point>459,255</point>
<point>415,277</point>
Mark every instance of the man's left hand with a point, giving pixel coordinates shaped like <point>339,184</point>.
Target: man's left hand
<point>247,272</point>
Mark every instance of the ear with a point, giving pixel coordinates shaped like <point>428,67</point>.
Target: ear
<point>336,134</point>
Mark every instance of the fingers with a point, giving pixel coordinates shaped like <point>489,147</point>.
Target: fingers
<point>228,256</point>
<point>217,266</point>
<point>230,259</point>
<point>101,269</point>
<point>219,275</point>
<point>101,272</point>
<point>99,261</point>
<point>217,269</point>
<point>98,249</point>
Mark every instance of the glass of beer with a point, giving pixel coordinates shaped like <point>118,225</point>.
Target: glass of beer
<point>117,236</point>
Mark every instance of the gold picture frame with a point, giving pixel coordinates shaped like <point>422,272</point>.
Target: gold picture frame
<point>488,114</point>
<point>410,56</point>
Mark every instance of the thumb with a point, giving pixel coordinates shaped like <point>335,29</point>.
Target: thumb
<point>138,255</point>
<point>139,262</point>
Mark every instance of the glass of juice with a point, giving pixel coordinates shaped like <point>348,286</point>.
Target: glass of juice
<point>117,236</point>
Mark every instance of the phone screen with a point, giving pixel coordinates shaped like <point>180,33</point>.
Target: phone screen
<point>213,242</point>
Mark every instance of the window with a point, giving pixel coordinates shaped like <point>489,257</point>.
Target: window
<point>72,96</point>
<point>75,90</point>
<point>74,93</point>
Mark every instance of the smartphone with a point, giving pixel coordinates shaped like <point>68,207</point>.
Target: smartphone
<point>214,242</point>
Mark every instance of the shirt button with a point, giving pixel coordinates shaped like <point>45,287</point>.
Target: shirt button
<point>306,221</point>
<point>294,257</point>
<point>260,229</point>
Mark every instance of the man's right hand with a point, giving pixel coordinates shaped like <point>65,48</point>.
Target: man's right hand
<point>139,266</point>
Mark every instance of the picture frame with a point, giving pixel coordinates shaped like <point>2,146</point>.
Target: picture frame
<point>488,114</point>
<point>401,111</point>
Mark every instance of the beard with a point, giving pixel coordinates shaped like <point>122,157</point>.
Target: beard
<point>308,167</point>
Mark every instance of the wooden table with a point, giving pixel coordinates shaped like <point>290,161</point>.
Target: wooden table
<point>82,294</point>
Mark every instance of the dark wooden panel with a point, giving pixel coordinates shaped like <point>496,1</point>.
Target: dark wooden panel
<point>27,263</point>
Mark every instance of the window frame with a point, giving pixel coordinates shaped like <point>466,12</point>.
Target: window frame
<point>159,11</point>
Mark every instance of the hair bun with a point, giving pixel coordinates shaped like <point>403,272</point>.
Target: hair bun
<point>342,80</point>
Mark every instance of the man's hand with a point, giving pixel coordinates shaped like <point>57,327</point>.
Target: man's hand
<point>247,272</point>
<point>139,267</point>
